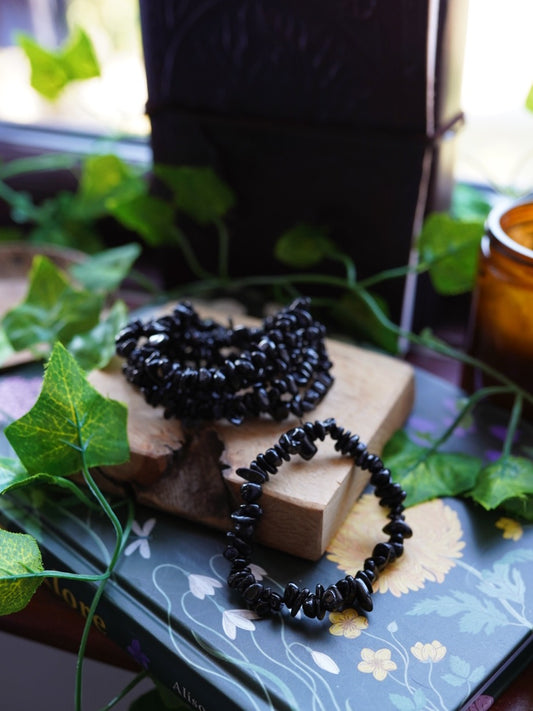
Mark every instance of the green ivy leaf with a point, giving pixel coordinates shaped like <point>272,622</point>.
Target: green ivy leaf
<point>19,553</point>
<point>13,475</point>
<point>95,348</point>
<point>105,181</point>
<point>508,478</point>
<point>78,57</point>
<point>197,191</point>
<point>103,272</point>
<point>303,246</point>
<point>12,471</point>
<point>520,507</point>
<point>52,71</point>
<point>358,316</point>
<point>427,477</point>
<point>469,204</point>
<point>150,217</point>
<point>70,425</point>
<point>451,247</point>
<point>52,309</point>
<point>48,75</point>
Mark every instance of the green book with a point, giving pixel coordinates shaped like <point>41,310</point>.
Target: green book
<point>452,620</point>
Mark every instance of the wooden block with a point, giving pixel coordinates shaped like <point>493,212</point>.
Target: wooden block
<point>190,471</point>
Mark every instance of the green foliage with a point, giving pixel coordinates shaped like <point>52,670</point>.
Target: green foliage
<point>303,246</point>
<point>469,204</point>
<point>197,192</point>
<point>19,554</point>
<point>95,348</point>
<point>149,216</point>
<point>52,310</point>
<point>71,426</point>
<point>425,475</point>
<point>56,310</point>
<point>451,249</point>
<point>70,219</point>
<point>357,312</point>
<point>509,478</point>
<point>106,181</point>
<point>13,475</point>
<point>105,271</point>
<point>52,71</point>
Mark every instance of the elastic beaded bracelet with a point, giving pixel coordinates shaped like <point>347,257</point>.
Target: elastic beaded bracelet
<point>351,591</point>
<point>200,370</point>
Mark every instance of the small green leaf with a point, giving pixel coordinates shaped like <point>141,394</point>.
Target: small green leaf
<point>529,99</point>
<point>303,246</point>
<point>197,191</point>
<point>104,271</point>
<point>19,554</point>
<point>358,315</point>
<point>427,477</point>
<point>105,181</point>
<point>52,71</point>
<point>95,348</point>
<point>149,216</point>
<point>52,309</point>
<point>451,247</point>
<point>78,57</point>
<point>71,425</point>
<point>520,507</point>
<point>48,75</point>
<point>469,203</point>
<point>507,478</point>
<point>12,472</point>
<point>51,480</point>
<point>13,475</point>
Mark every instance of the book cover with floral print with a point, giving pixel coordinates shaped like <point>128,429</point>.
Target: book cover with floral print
<point>452,618</point>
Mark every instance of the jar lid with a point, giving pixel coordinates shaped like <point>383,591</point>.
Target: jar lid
<point>507,218</point>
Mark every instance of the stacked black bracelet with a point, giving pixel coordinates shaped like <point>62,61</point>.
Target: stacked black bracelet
<point>351,591</point>
<point>200,370</point>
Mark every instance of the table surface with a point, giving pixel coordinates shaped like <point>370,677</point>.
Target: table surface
<point>33,621</point>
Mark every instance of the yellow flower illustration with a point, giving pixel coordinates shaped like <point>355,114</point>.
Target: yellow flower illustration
<point>428,555</point>
<point>511,528</point>
<point>429,652</point>
<point>379,663</point>
<point>347,623</point>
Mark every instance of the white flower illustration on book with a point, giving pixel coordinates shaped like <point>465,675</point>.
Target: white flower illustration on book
<point>143,533</point>
<point>231,619</point>
<point>202,585</point>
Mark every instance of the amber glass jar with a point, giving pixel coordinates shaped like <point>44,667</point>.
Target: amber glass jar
<point>501,323</point>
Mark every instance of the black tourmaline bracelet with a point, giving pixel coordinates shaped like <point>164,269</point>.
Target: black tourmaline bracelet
<point>352,591</point>
<point>200,370</point>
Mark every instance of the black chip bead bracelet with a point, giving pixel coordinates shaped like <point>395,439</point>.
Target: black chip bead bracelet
<point>198,369</point>
<point>351,591</point>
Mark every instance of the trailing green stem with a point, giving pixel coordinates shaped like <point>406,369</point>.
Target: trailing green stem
<point>57,574</point>
<point>119,544</point>
<point>126,690</point>
<point>513,424</point>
